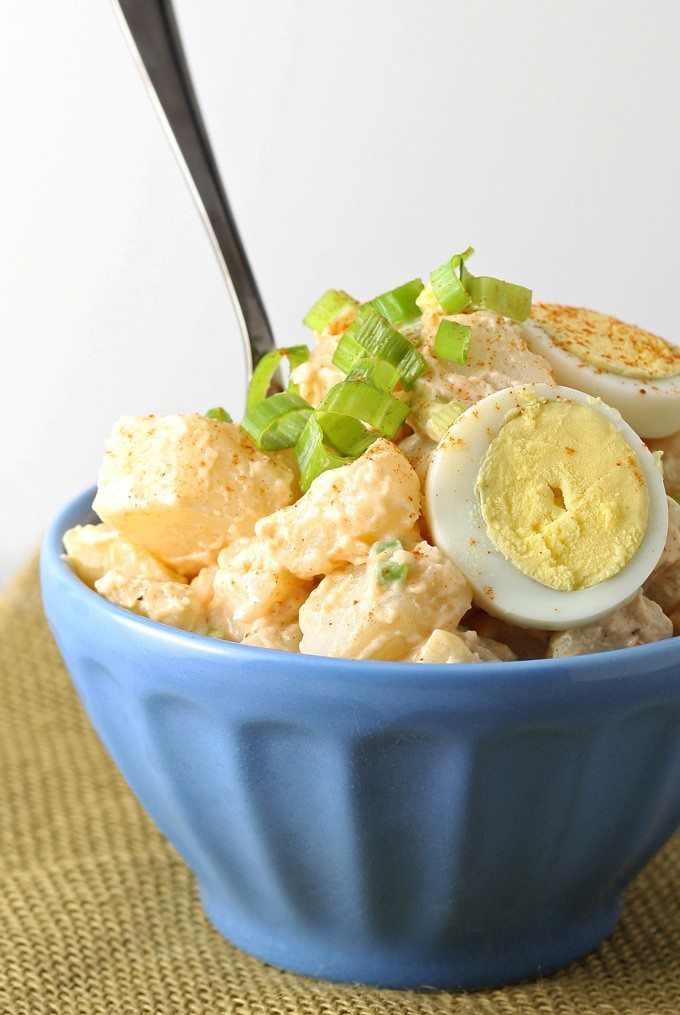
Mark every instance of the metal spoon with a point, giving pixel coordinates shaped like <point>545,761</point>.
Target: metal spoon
<point>151,30</point>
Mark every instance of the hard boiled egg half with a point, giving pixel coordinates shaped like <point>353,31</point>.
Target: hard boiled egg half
<point>631,369</point>
<point>549,503</point>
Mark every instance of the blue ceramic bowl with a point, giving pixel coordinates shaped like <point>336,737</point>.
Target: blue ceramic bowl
<point>391,824</point>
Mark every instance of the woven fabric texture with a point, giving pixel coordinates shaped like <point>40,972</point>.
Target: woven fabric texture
<point>99,915</point>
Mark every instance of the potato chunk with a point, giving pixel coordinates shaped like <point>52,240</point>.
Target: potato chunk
<point>249,585</point>
<point>344,512</point>
<point>186,486</point>
<point>445,647</point>
<point>419,451</point>
<point>167,602</point>
<point>353,614</point>
<point>92,550</point>
<point>275,631</point>
<point>462,647</point>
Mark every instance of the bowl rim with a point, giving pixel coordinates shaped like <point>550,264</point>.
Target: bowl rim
<point>593,666</point>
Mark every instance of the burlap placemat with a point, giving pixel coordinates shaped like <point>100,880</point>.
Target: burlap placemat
<point>98,914</point>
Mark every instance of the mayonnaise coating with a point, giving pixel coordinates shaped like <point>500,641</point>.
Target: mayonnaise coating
<point>498,357</point>
<point>352,615</point>
<point>461,647</point>
<point>248,585</point>
<point>664,590</point>
<point>344,512</point>
<point>276,630</point>
<point>167,602</point>
<point>637,623</point>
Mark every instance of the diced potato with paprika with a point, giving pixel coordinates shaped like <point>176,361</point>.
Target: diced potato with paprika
<point>344,511</point>
<point>384,609</point>
<point>92,550</point>
<point>184,487</point>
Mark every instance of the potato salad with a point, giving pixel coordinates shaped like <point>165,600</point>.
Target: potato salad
<point>452,473</point>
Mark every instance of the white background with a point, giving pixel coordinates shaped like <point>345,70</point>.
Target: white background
<point>361,144</point>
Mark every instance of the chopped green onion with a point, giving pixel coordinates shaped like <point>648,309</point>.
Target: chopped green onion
<point>378,372</point>
<point>399,305</point>
<point>296,354</point>
<point>441,417</point>
<point>447,286</point>
<point>387,570</point>
<point>267,367</point>
<point>391,572</point>
<point>347,434</point>
<point>316,453</point>
<point>451,341</point>
<point>385,545</point>
<point>278,421</point>
<point>348,353</point>
<point>504,298</point>
<point>363,401</point>
<point>372,335</point>
<point>219,413</point>
<point>326,308</point>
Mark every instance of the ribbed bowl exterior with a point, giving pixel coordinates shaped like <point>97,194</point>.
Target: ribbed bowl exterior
<point>385,823</point>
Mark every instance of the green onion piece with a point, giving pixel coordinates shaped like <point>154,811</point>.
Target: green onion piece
<point>267,367</point>
<point>387,545</point>
<point>326,308</point>
<point>452,341</point>
<point>314,451</point>
<point>391,572</point>
<point>348,353</point>
<point>440,418</point>
<point>447,286</point>
<point>296,355</point>
<point>347,434</point>
<point>377,338</point>
<point>387,570</point>
<point>399,305</point>
<point>278,421</point>
<point>363,401</point>
<point>219,413</point>
<point>378,372</point>
<point>504,298</point>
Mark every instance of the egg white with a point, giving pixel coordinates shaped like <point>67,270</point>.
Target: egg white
<point>651,407</point>
<point>454,515</point>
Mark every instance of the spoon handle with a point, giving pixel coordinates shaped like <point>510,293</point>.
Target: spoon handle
<point>153,35</point>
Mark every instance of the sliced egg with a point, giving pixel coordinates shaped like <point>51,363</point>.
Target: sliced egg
<point>631,369</point>
<point>549,503</point>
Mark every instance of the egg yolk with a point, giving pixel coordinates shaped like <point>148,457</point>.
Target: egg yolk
<point>562,495</point>
<point>608,344</point>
